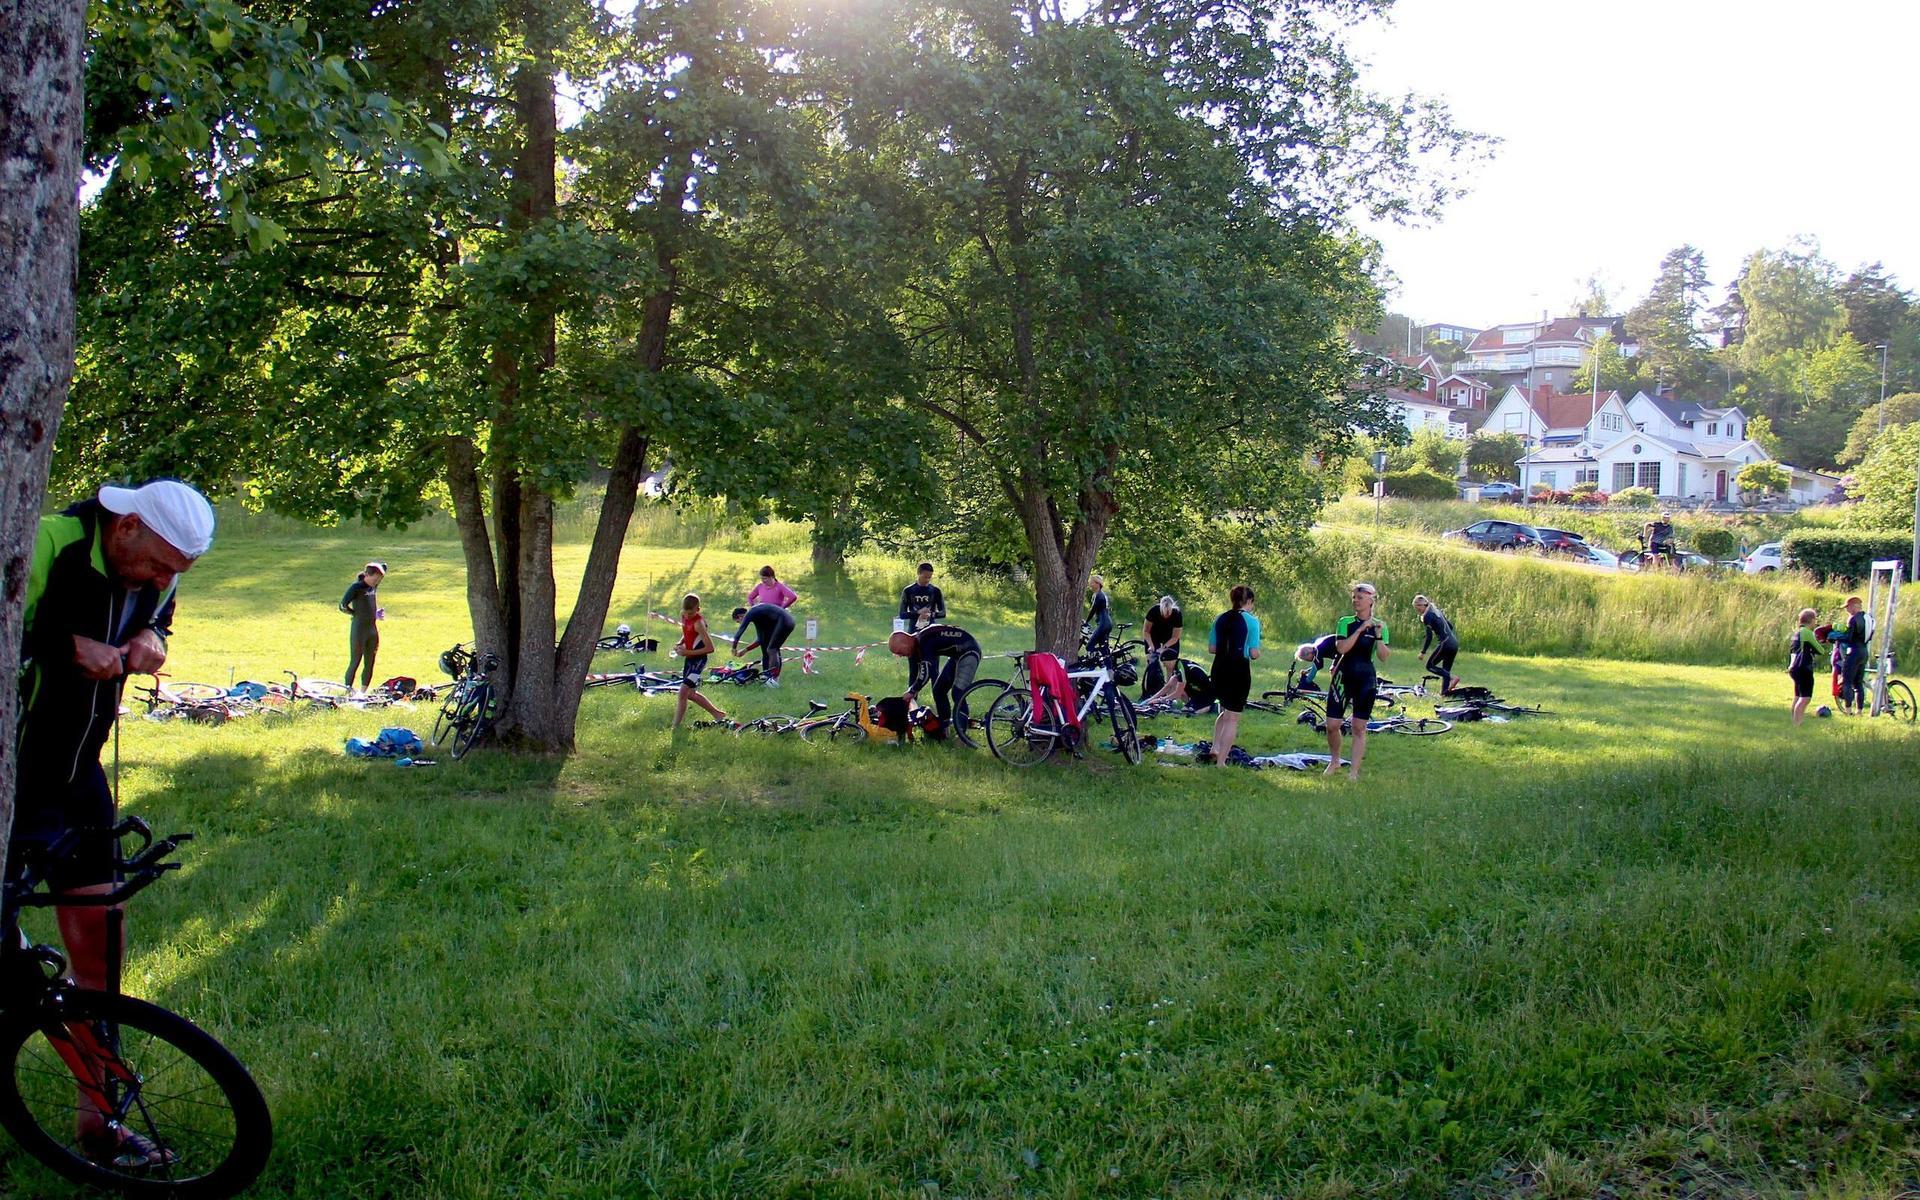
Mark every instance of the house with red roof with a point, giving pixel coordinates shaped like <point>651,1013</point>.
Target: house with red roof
<point>1537,354</point>
<point>1431,396</point>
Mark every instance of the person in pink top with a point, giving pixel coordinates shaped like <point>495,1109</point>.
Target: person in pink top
<point>771,591</point>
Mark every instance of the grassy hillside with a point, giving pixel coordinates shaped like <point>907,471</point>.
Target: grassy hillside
<point>1657,943</point>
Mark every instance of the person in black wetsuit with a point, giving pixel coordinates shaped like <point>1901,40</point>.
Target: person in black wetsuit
<point>1358,639</point>
<point>1099,622</point>
<point>1163,628</point>
<point>921,603</point>
<point>362,603</point>
<point>772,625</point>
<point>1316,654</point>
<point>1441,637</point>
<point>1235,642</point>
<point>923,652</point>
<point>1853,661</point>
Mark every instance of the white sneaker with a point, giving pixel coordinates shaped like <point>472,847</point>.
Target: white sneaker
<point>772,682</point>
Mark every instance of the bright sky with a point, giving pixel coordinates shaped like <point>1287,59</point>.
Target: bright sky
<point>1633,126</point>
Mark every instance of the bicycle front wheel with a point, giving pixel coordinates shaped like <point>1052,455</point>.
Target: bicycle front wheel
<point>474,719</point>
<point>1423,727</point>
<point>970,711</point>
<point>1900,701</point>
<point>443,723</point>
<point>156,1075</point>
<point>1126,727</point>
<point>1012,735</point>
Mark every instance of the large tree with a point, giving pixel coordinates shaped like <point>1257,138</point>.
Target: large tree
<point>570,304</point>
<point>40,123</point>
<point>1667,322</point>
<point>1133,277</point>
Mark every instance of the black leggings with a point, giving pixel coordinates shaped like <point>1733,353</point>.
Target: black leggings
<point>1853,677</point>
<point>955,676</point>
<point>770,648</point>
<point>1441,663</point>
<point>365,647</point>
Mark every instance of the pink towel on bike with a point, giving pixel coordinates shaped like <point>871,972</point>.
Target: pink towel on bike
<point>1049,676</point>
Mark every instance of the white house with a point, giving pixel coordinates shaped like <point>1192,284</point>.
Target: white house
<point>1548,417</point>
<point>1675,449</point>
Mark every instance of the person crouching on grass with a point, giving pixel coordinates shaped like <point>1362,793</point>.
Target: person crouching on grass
<point>1357,639</point>
<point>695,645</point>
<point>1804,650</point>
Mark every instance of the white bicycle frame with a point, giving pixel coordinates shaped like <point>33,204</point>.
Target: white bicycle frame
<point>1883,661</point>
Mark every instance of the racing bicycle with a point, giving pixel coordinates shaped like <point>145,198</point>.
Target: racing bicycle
<point>473,706</point>
<point>168,1111</point>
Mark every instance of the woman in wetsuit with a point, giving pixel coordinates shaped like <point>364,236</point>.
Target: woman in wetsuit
<point>1357,639</point>
<point>362,603</point>
<point>1441,637</point>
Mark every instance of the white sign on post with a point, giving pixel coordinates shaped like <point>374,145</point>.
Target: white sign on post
<point>813,629</point>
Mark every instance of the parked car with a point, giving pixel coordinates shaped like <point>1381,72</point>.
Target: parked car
<point>1500,491</point>
<point>1601,558</point>
<point>1632,560</point>
<point>1763,558</point>
<point>1562,541</point>
<point>1497,535</point>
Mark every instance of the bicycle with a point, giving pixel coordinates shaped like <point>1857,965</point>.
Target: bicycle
<point>472,708</point>
<point>1314,699</point>
<point>152,1074</point>
<point>1397,723</point>
<point>1018,737</point>
<point>1897,700</point>
<point>851,727</point>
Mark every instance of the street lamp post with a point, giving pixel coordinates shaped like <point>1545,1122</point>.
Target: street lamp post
<point>1883,387</point>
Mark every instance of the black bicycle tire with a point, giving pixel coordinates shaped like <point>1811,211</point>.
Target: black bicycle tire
<point>443,721</point>
<point>326,691</point>
<point>1012,710</point>
<point>964,723</point>
<point>1126,727</point>
<point>1421,727</point>
<point>252,1137</point>
<point>819,732</point>
<point>1902,707</point>
<point>471,723</point>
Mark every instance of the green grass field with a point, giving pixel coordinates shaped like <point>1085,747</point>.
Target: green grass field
<point>1657,944</point>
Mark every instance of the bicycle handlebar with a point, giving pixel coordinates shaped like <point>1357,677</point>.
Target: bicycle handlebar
<point>141,869</point>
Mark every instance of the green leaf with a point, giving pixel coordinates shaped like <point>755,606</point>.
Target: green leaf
<point>220,39</point>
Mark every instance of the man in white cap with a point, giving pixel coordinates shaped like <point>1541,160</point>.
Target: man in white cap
<point>99,606</point>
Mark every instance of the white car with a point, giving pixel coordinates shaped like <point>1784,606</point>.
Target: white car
<point>1603,558</point>
<point>1763,558</point>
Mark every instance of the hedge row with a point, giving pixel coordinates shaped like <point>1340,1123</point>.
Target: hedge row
<point>1842,553</point>
<point>1420,484</point>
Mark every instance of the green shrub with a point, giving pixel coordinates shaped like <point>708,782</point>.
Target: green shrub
<point>1420,484</point>
<point>1843,553</point>
<point>1715,543</point>
<point>1585,489</point>
<point>1763,477</point>
<point>1635,497</point>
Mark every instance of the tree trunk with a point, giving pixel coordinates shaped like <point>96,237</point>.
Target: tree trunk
<point>40,115</point>
<point>483,581</point>
<point>829,557</point>
<point>531,717</point>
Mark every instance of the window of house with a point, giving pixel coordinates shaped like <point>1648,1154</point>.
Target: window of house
<point>1713,429</point>
<point>1513,421</point>
<point>1587,475</point>
<point>1649,477</point>
<point>1640,426</point>
<point>1733,431</point>
<point>1550,478</point>
<point>1622,476</point>
<point>1680,485</point>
